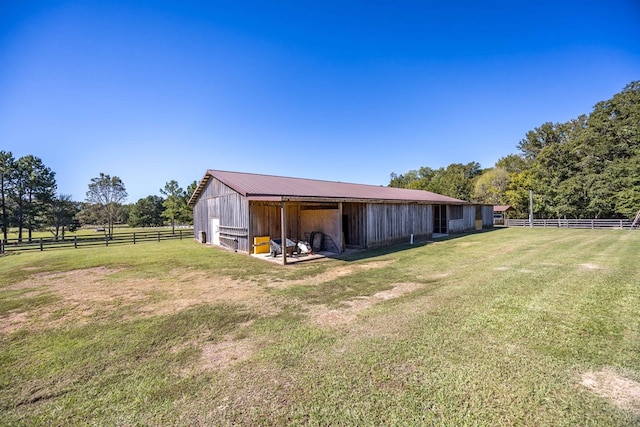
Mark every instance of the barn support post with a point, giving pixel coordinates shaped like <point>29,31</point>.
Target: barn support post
<point>283,228</point>
<point>340,224</point>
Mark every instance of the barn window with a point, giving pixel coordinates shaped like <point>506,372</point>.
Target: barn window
<point>455,212</point>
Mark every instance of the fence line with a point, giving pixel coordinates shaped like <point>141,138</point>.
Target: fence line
<point>13,245</point>
<point>572,223</point>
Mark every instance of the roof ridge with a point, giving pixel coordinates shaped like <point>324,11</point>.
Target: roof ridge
<point>296,177</point>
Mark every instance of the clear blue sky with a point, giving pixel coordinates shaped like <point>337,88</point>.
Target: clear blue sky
<point>340,90</point>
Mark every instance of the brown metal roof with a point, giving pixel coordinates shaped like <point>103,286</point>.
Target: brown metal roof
<point>256,187</point>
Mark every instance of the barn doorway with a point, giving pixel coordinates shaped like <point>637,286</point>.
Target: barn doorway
<point>215,231</point>
<point>354,225</point>
<point>345,229</point>
<point>440,219</point>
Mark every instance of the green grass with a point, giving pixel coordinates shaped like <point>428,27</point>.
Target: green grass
<point>497,330</point>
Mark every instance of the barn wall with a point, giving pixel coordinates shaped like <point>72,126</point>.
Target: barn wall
<point>266,219</point>
<point>487,216</point>
<point>201,221</point>
<point>328,221</point>
<point>231,208</point>
<point>466,223</point>
<point>355,215</point>
<point>388,223</point>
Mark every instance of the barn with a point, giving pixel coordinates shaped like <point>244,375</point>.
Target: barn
<point>232,209</point>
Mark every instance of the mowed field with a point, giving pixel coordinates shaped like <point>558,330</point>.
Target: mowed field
<point>526,327</point>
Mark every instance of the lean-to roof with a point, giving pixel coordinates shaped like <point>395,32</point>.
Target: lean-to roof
<point>270,187</point>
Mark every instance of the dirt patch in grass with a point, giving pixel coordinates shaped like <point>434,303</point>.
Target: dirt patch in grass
<point>226,353</point>
<point>323,316</point>
<point>332,274</point>
<point>590,266</point>
<point>217,355</point>
<point>619,390</point>
<point>93,292</point>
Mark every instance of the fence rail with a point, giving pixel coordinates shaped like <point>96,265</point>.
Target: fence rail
<point>572,223</point>
<point>13,245</point>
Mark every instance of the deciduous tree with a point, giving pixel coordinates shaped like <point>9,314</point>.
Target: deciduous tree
<point>146,212</point>
<point>62,215</point>
<point>490,187</point>
<point>108,193</point>
<point>175,203</point>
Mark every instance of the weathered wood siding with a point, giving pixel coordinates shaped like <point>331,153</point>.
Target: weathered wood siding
<point>467,223</point>
<point>326,219</point>
<point>356,223</point>
<point>487,216</point>
<point>231,208</point>
<point>388,223</point>
<point>266,218</point>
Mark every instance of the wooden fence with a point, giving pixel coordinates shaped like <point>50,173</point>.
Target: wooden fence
<point>13,245</point>
<point>572,223</point>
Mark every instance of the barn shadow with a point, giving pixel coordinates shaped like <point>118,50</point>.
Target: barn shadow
<point>362,254</point>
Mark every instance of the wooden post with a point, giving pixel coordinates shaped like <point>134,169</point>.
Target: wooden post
<point>530,208</point>
<point>134,238</point>
<point>41,246</point>
<point>341,235</point>
<point>106,240</point>
<point>283,225</point>
<point>158,236</point>
<point>1,246</point>
<point>75,242</point>
<point>180,234</point>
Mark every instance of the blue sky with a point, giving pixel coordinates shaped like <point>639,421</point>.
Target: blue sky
<point>152,91</point>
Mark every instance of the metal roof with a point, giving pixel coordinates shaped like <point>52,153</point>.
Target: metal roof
<point>502,208</point>
<point>270,187</point>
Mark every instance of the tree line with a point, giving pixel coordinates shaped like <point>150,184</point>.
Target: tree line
<point>588,167</point>
<point>29,202</point>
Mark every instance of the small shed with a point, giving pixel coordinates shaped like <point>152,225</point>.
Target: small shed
<point>501,213</point>
<point>232,209</point>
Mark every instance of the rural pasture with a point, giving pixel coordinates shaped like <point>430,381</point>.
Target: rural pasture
<point>527,327</point>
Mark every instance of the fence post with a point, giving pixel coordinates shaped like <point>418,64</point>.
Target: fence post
<point>158,236</point>
<point>106,240</point>
<point>41,246</point>
<point>134,238</point>
<point>2,246</point>
<point>180,234</point>
<point>75,242</point>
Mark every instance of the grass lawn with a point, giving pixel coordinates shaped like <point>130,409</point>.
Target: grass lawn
<point>526,327</point>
